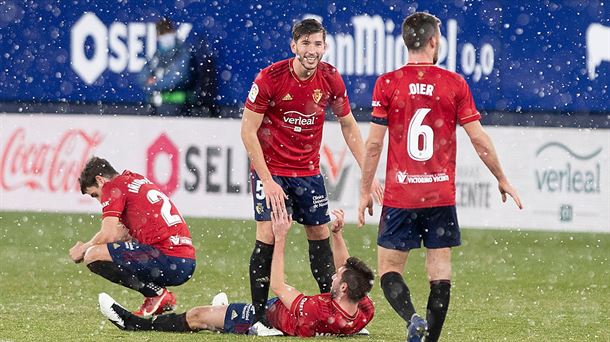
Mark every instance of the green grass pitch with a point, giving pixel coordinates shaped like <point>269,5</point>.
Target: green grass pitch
<point>507,285</point>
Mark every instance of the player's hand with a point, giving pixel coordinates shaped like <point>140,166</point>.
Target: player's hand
<point>337,225</point>
<point>365,202</point>
<point>506,188</point>
<point>77,252</point>
<point>280,223</point>
<point>274,196</point>
<point>377,191</point>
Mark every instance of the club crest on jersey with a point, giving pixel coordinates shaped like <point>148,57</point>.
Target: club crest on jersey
<point>317,95</point>
<point>259,208</point>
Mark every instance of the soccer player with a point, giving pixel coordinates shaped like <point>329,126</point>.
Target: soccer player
<point>144,244</point>
<point>282,132</point>
<point>346,310</point>
<point>420,104</point>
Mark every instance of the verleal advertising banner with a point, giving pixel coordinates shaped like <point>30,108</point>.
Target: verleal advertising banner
<point>516,56</point>
<point>562,174</point>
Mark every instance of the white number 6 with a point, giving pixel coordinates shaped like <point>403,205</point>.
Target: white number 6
<point>415,130</point>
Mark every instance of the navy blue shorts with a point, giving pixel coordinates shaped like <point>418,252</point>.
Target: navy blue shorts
<point>240,316</point>
<point>404,229</point>
<point>150,264</point>
<point>307,200</point>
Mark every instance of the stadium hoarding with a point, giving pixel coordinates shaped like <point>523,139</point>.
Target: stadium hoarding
<point>562,174</point>
<point>516,56</point>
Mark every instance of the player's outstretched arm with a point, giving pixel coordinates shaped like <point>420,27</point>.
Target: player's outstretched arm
<point>374,146</point>
<point>340,252</point>
<point>281,223</point>
<point>485,149</point>
<point>274,194</point>
<point>353,138</point>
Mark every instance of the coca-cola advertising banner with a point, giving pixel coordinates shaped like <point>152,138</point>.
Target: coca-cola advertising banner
<point>562,174</point>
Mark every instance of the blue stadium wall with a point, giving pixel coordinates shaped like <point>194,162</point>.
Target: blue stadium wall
<point>539,61</point>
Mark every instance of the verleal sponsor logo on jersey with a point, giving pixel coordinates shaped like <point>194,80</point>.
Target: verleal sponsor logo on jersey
<point>598,47</point>
<point>404,178</point>
<point>298,121</point>
<point>376,104</point>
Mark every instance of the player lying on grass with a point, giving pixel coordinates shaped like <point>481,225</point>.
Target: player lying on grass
<point>345,310</point>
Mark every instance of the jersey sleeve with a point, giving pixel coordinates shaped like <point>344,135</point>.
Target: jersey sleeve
<point>259,96</point>
<point>113,200</point>
<point>338,97</point>
<point>466,110</point>
<point>307,312</point>
<point>380,102</point>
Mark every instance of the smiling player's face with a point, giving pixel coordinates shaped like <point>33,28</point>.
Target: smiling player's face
<point>309,50</point>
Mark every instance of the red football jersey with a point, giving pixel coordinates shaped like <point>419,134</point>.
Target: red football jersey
<point>319,315</point>
<point>294,110</point>
<point>150,216</point>
<point>421,105</point>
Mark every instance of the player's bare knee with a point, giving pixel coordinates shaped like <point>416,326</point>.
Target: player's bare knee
<point>96,253</point>
<point>91,255</point>
<point>387,265</point>
<point>320,232</point>
<point>264,232</point>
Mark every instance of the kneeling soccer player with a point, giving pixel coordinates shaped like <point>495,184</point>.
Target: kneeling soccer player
<point>346,310</point>
<point>143,244</point>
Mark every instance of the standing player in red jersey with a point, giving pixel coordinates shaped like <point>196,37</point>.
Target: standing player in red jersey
<point>346,310</point>
<point>144,243</point>
<point>282,132</point>
<point>420,104</point>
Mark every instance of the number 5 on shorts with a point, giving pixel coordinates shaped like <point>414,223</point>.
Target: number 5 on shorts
<point>260,193</point>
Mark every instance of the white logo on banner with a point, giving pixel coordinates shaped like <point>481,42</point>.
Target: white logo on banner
<point>373,49</point>
<point>598,47</point>
<point>118,47</point>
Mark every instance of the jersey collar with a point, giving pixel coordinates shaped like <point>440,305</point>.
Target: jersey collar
<point>419,64</point>
<point>344,313</point>
<point>294,74</point>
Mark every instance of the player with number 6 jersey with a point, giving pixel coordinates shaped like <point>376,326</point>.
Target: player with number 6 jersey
<point>144,243</point>
<point>420,105</point>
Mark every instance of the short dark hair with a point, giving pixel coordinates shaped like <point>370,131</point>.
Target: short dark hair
<point>418,28</point>
<point>95,167</point>
<point>306,27</point>
<point>164,26</point>
<point>358,277</point>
